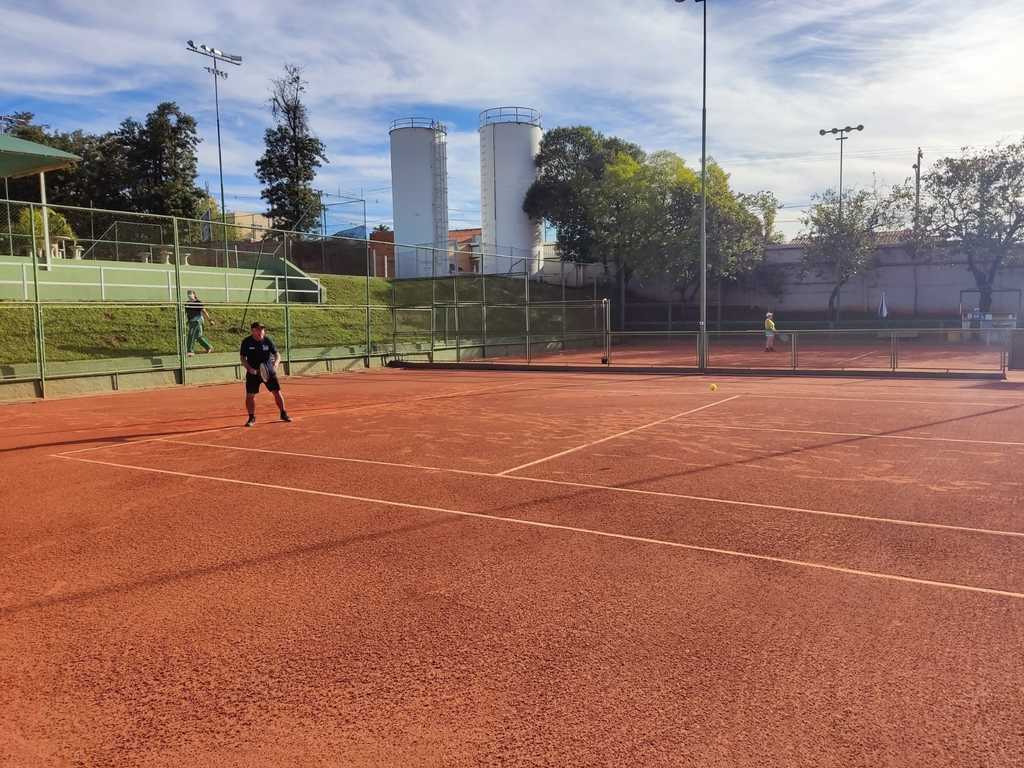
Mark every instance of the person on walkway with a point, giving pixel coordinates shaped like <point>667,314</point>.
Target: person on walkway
<point>258,350</point>
<point>769,332</point>
<point>196,313</point>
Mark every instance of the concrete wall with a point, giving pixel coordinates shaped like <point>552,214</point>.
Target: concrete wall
<point>939,286</point>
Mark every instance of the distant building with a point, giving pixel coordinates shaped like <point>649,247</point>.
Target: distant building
<point>250,227</point>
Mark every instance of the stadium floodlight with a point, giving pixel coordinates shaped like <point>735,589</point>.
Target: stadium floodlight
<point>703,324</point>
<point>842,140</point>
<point>217,55</point>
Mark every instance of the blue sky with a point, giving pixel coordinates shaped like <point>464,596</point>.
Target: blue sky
<point>916,72</point>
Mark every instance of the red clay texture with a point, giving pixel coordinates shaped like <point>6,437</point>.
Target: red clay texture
<point>450,568</point>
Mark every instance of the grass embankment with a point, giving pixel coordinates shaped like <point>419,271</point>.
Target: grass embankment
<point>95,332</point>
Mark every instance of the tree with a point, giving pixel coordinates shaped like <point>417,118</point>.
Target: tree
<point>841,243</point>
<point>160,156</point>
<point>767,205</point>
<point>28,229</point>
<point>382,228</point>
<point>975,202</point>
<point>147,167</point>
<point>293,155</point>
<point>571,165</point>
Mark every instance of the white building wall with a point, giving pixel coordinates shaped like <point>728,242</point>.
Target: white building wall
<point>419,197</point>
<point>510,242</point>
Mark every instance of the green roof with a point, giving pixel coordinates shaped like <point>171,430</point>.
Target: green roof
<point>25,158</point>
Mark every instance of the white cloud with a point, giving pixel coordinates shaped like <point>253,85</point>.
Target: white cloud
<point>923,72</point>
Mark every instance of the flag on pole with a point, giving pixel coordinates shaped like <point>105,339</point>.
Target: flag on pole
<point>883,309</point>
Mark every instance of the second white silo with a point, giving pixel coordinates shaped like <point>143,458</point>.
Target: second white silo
<point>509,143</point>
<point>419,196</point>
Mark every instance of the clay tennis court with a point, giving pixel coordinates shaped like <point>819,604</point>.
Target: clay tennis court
<point>822,351</point>
<point>472,568</point>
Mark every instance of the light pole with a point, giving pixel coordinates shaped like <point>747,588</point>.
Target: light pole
<point>842,140</point>
<point>703,323</point>
<point>218,55</point>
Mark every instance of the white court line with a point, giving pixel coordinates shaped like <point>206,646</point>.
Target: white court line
<point>612,488</point>
<point>944,403</point>
<point>571,529</point>
<point>613,437</point>
<point>860,357</point>
<point>362,407</point>
<point>859,434</point>
<point>145,440</point>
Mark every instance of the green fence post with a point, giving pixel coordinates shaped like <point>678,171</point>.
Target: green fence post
<point>40,339</point>
<point>483,313</point>
<point>179,325</point>
<point>369,264</point>
<point>287,338</point>
<point>529,357</point>
<point>458,332</point>
<point>366,355</point>
<point>792,350</point>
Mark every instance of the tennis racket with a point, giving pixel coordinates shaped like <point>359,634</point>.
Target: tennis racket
<point>267,371</point>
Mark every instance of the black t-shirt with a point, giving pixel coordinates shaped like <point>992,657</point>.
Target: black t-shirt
<point>257,352</point>
<point>194,309</point>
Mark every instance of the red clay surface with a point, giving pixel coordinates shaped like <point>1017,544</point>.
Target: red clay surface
<point>457,568</point>
<point>847,352</point>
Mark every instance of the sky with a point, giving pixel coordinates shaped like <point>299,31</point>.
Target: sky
<point>926,73</point>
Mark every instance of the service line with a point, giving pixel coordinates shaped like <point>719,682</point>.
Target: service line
<point>615,436</point>
<point>570,529</point>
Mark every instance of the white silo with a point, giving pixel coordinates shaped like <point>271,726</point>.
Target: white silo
<point>419,195</point>
<point>509,143</point>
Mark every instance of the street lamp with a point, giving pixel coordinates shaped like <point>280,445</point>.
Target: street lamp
<point>842,140</point>
<point>218,55</point>
<point>703,323</point>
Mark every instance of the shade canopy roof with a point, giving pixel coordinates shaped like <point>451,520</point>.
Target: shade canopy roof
<point>19,157</point>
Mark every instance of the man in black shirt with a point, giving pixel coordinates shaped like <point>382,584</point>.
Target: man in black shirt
<point>258,349</point>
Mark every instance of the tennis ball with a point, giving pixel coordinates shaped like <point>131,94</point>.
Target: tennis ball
<point>713,387</point>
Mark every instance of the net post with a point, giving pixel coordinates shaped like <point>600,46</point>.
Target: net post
<point>792,350</point>
<point>179,324</point>
<point>483,314</point>
<point>606,312</point>
<point>458,330</point>
<point>526,278</point>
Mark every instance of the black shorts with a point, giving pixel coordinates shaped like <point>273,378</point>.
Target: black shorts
<point>253,381</point>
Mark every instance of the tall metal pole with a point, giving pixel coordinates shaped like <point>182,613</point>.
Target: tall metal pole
<point>704,190</point>
<point>703,322</point>
<point>218,56</point>
<point>220,159</point>
<point>841,138</point>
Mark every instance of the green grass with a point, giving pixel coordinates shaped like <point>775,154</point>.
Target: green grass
<point>86,331</point>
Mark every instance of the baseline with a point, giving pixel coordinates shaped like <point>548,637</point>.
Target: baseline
<point>595,486</point>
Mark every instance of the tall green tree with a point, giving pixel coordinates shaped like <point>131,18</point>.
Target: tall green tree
<point>973,203</point>
<point>160,155</point>
<point>293,155</point>
<point>147,167</point>
<point>841,243</point>
<point>571,166</point>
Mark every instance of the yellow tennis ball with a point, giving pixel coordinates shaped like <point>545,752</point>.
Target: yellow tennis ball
<point>713,387</point>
